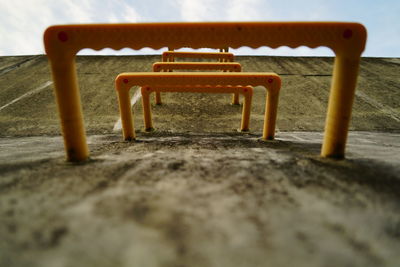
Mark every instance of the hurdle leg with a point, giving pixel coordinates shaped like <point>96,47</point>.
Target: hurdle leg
<point>235,99</point>
<point>147,118</point>
<point>246,112</point>
<point>126,114</point>
<point>158,98</point>
<point>70,109</point>
<point>341,98</point>
<point>271,110</point>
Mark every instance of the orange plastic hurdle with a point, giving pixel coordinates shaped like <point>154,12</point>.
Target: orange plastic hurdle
<point>169,56</point>
<point>347,41</point>
<point>246,91</point>
<point>225,66</point>
<point>222,50</point>
<point>270,81</point>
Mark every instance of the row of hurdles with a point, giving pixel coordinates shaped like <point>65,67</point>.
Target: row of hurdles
<point>347,40</point>
<point>230,79</point>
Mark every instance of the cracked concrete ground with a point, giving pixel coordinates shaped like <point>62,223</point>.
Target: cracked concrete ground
<point>195,192</point>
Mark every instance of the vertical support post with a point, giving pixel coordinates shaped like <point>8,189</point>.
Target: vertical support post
<point>340,104</point>
<point>235,96</point>
<point>235,99</point>
<point>166,59</point>
<point>158,98</point>
<point>148,122</point>
<point>70,108</point>
<point>125,111</point>
<point>245,124</point>
<point>271,108</point>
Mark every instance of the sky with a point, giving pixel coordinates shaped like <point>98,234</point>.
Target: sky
<point>22,22</point>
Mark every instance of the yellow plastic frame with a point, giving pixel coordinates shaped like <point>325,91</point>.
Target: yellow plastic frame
<point>125,81</point>
<point>246,91</point>
<point>347,41</point>
<point>169,56</point>
<point>224,66</point>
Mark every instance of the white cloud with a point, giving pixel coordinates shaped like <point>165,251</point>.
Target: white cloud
<point>22,22</point>
<point>199,10</point>
<point>245,10</point>
<point>130,14</point>
<point>217,10</point>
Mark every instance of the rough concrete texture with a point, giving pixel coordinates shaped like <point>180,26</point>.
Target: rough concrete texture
<point>195,192</point>
<point>303,98</point>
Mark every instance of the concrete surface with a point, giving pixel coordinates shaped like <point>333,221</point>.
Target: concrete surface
<point>201,200</point>
<point>195,192</point>
<point>27,104</point>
